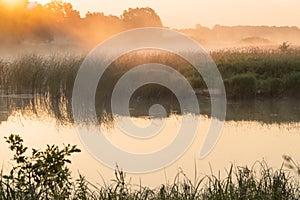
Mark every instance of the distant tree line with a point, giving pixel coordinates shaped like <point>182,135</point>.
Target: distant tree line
<point>59,21</point>
<point>264,35</point>
<point>30,21</point>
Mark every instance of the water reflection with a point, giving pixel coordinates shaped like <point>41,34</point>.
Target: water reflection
<point>241,143</point>
<point>242,134</point>
<point>285,110</point>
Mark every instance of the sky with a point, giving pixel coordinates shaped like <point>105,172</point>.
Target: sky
<point>188,13</point>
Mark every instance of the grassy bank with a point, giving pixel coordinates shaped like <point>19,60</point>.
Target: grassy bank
<point>258,72</point>
<point>247,73</point>
<point>44,174</point>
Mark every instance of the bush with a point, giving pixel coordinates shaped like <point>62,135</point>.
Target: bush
<point>292,81</point>
<point>276,87</point>
<point>43,175</point>
<point>241,86</point>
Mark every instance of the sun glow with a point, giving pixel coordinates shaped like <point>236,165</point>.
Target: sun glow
<point>41,1</point>
<point>12,2</point>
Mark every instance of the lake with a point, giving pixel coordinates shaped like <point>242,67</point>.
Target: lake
<point>254,130</point>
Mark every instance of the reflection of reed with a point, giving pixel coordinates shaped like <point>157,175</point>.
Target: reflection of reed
<point>39,106</point>
<point>60,109</point>
<point>267,111</point>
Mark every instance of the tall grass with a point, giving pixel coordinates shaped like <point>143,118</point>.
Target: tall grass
<point>273,72</point>
<point>44,174</point>
<point>241,86</point>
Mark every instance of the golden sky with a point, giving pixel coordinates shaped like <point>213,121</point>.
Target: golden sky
<point>187,13</point>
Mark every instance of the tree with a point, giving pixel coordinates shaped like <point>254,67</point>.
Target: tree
<point>284,46</point>
<point>141,17</point>
<point>62,10</point>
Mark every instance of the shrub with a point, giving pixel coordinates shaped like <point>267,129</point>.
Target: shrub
<point>241,86</point>
<point>292,81</point>
<point>43,175</point>
<point>276,87</point>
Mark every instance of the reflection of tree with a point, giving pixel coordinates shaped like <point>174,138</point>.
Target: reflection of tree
<point>58,19</point>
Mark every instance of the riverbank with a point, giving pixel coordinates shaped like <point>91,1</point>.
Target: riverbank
<point>248,73</point>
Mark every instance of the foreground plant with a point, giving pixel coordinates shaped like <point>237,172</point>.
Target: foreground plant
<point>259,182</point>
<point>42,175</point>
<point>45,175</point>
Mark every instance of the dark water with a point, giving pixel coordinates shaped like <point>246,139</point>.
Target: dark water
<point>284,110</point>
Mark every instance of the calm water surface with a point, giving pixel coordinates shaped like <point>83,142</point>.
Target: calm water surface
<point>254,130</point>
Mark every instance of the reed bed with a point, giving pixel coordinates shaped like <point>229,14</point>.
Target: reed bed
<point>247,73</point>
